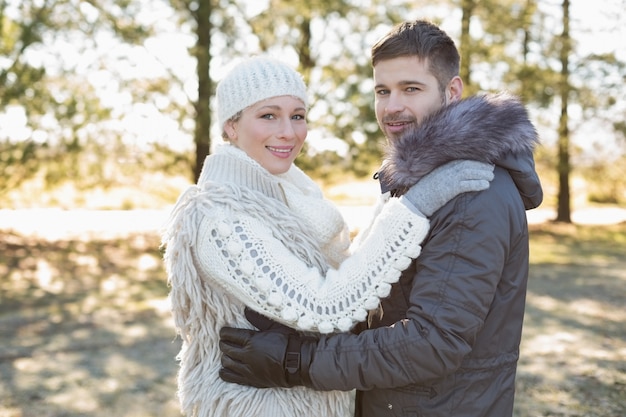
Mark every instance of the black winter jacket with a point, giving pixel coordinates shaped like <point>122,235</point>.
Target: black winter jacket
<point>447,343</point>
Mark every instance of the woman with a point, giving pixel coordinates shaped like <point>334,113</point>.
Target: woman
<point>256,231</point>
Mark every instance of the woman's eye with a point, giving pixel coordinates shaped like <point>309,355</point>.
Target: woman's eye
<point>267,116</point>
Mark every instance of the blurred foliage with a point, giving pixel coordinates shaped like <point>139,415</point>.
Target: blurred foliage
<point>66,119</point>
<point>19,161</point>
<point>607,181</point>
<point>73,134</point>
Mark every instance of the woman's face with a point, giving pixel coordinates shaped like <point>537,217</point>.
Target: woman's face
<point>271,132</point>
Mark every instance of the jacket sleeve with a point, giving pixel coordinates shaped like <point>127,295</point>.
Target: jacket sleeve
<point>455,281</point>
<point>241,254</point>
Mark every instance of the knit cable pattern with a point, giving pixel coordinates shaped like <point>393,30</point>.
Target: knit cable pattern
<point>243,254</point>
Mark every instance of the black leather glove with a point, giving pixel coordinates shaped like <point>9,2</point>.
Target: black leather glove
<point>266,359</point>
<point>261,322</point>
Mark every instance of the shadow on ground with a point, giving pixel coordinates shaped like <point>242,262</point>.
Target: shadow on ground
<point>573,353</point>
<point>85,329</point>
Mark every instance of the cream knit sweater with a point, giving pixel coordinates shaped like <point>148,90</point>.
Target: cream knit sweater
<point>243,237</point>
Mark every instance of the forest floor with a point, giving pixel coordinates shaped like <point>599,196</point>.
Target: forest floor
<point>85,328</point>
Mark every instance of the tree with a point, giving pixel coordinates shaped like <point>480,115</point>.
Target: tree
<point>517,47</point>
<point>64,113</point>
<point>506,44</point>
<point>465,47</point>
<point>201,12</point>
<point>563,167</point>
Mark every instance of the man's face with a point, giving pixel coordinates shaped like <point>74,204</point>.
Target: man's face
<point>405,93</point>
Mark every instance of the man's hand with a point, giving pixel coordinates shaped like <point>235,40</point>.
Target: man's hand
<point>262,323</point>
<point>265,359</point>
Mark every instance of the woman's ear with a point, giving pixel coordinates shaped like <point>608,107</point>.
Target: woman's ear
<point>229,128</point>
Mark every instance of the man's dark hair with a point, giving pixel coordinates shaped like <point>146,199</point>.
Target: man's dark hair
<point>424,40</point>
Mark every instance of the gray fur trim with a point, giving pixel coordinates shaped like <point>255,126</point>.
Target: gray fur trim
<point>482,128</point>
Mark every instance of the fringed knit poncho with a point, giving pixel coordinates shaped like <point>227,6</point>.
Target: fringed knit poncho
<point>243,237</point>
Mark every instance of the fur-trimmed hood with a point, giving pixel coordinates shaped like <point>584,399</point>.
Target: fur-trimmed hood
<point>484,128</point>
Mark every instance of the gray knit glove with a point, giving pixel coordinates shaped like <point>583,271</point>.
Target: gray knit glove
<point>444,183</point>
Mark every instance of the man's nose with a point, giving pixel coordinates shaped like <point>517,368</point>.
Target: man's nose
<point>395,103</point>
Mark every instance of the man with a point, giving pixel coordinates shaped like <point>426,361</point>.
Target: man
<point>446,340</point>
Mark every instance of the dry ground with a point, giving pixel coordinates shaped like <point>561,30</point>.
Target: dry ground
<point>85,327</point>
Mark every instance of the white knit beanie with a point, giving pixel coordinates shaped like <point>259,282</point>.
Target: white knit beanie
<point>253,80</point>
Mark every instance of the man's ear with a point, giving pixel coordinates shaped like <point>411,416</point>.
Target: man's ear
<point>454,90</point>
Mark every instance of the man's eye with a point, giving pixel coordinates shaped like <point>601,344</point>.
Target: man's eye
<point>298,117</point>
<point>382,92</point>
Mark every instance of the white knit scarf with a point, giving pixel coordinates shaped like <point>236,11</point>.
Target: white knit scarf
<point>317,219</point>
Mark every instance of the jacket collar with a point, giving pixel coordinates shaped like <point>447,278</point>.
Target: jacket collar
<point>491,128</point>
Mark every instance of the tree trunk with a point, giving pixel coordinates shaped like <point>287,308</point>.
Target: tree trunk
<point>465,48</point>
<point>202,133</point>
<point>307,62</point>
<point>564,168</point>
